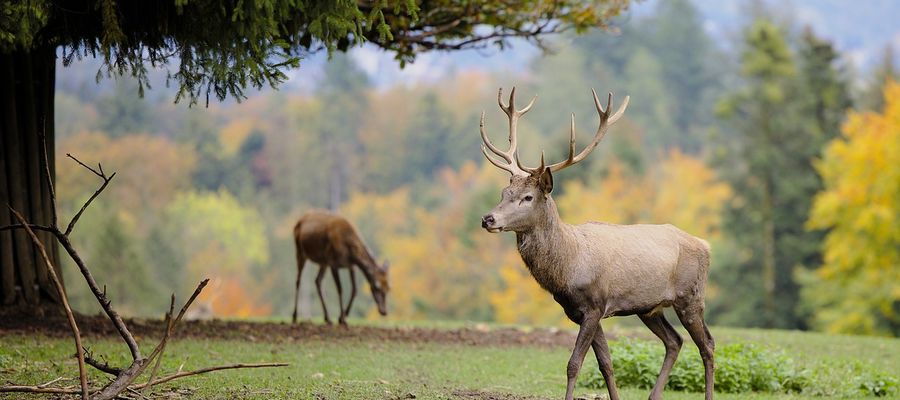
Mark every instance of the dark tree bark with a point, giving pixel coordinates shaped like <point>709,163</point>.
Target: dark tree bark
<point>27,85</point>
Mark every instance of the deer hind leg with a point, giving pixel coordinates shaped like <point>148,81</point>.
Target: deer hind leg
<point>672,340</point>
<point>337,283</point>
<point>319,277</point>
<point>352,289</point>
<point>589,326</point>
<point>601,350</point>
<point>301,262</point>
<point>691,317</point>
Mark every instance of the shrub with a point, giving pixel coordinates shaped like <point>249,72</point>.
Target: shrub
<point>739,368</point>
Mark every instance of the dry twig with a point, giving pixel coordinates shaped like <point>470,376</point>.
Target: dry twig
<point>82,373</point>
<point>209,369</point>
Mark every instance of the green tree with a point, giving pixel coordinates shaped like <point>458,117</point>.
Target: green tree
<point>667,62</point>
<point>122,113</point>
<point>788,109</point>
<point>220,49</point>
<point>755,164</point>
<point>344,96</point>
<point>872,95</point>
<point>435,140</point>
<point>118,263</point>
<point>692,74</point>
<point>212,235</point>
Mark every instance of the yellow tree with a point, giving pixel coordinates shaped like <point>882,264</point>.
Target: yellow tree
<point>688,194</point>
<point>215,236</point>
<point>856,289</point>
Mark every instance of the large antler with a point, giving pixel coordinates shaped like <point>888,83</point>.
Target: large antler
<point>606,119</point>
<point>511,156</point>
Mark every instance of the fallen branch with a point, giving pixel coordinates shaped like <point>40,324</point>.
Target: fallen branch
<point>210,369</point>
<point>43,385</point>
<point>37,389</point>
<point>178,375</point>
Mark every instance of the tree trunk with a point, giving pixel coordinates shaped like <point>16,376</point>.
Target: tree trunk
<point>768,244</point>
<point>27,85</point>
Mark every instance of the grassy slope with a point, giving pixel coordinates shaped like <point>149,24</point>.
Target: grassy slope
<point>363,369</point>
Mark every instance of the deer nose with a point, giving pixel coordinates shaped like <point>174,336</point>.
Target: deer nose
<point>487,221</point>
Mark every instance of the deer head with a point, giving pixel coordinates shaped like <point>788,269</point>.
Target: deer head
<point>526,201</point>
<point>380,287</point>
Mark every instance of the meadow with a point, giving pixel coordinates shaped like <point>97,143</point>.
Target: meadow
<point>442,361</point>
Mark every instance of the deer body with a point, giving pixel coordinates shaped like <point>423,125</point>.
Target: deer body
<point>621,269</point>
<point>332,242</point>
<point>598,270</point>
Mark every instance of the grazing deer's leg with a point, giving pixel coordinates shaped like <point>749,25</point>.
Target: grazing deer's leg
<point>337,283</point>
<point>352,289</point>
<point>601,350</point>
<point>692,319</point>
<point>672,340</point>
<point>589,326</point>
<point>319,277</point>
<point>301,262</point>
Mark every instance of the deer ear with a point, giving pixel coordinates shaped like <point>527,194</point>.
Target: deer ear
<point>545,180</point>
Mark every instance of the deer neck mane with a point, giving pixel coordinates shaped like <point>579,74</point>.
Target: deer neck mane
<point>364,259</point>
<point>547,249</point>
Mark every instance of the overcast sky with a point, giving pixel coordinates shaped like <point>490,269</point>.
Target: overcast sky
<point>860,29</point>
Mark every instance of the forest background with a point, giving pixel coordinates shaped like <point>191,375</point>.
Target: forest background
<point>764,138</point>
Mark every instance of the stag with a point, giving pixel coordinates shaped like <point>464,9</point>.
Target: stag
<point>598,270</point>
<point>332,242</point>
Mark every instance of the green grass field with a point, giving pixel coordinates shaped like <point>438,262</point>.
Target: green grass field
<point>364,369</point>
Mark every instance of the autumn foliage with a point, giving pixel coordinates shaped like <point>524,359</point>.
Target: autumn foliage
<point>856,289</point>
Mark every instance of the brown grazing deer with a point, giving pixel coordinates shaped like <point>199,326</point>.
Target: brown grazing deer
<point>598,270</point>
<point>332,242</point>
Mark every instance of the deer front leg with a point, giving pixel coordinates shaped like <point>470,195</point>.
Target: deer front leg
<point>337,283</point>
<point>589,325</point>
<point>601,350</point>
<point>352,289</point>
<point>319,277</point>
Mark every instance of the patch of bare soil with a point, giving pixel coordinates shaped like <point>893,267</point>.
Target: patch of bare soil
<point>99,326</point>
<point>468,394</point>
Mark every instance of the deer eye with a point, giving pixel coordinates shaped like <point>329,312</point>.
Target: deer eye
<point>528,198</point>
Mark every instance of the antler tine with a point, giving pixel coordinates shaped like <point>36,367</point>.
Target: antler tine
<point>512,95</point>
<point>620,111</point>
<point>505,167</point>
<point>511,156</point>
<point>605,121</point>
<point>489,144</point>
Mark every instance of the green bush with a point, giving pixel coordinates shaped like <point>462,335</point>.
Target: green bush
<point>865,381</point>
<point>739,368</point>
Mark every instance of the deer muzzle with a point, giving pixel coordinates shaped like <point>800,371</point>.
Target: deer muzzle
<point>488,222</point>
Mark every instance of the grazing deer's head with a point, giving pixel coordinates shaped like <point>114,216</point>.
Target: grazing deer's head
<point>380,287</point>
<point>526,201</point>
